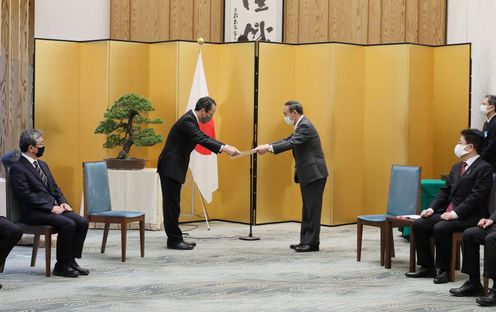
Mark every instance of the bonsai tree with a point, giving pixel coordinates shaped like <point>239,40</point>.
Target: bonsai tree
<point>124,124</point>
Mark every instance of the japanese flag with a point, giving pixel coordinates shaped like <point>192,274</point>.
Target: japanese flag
<point>203,163</point>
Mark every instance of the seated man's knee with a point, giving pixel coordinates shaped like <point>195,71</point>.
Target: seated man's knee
<point>490,239</point>
<point>470,233</point>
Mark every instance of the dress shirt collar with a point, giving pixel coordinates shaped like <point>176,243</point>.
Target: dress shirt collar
<point>29,158</point>
<point>197,120</point>
<point>298,122</point>
<point>471,160</point>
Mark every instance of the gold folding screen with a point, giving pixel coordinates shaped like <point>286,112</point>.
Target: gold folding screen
<point>373,106</point>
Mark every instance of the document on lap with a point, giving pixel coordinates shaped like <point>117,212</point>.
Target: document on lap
<point>243,154</point>
<point>409,217</point>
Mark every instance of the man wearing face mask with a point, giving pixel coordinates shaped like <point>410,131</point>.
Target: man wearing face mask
<point>43,203</point>
<point>311,171</point>
<point>489,130</point>
<point>173,162</point>
<point>460,204</point>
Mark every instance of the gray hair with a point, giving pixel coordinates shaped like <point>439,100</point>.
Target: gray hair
<point>294,106</point>
<point>491,99</point>
<point>29,137</point>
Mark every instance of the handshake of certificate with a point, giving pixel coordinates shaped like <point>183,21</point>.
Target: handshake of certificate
<point>235,153</point>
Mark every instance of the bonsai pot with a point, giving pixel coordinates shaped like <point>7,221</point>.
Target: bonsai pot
<point>125,164</point>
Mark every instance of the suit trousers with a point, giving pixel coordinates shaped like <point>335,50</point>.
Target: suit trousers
<point>312,210</point>
<point>442,231</point>
<point>10,234</point>
<point>171,205</point>
<point>472,239</point>
<point>72,229</point>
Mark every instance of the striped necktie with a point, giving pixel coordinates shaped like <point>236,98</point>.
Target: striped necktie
<point>462,171</point>
<point>41,173</point>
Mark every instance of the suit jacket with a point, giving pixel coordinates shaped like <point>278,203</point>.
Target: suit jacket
<point>469,193</point>
<point>307,152</point>
<point>489,153</point>
<point>29,189</point>
<point>184,135</point>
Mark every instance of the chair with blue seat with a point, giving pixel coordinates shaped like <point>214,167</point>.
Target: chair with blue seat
<point>403,199</point>
<point>97,206</point>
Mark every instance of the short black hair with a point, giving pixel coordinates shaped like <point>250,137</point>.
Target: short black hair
<point>294,106</point>
<point>206,103</point>
<point>29,137</point>
<point>491,99</point>
<point>474,137</point>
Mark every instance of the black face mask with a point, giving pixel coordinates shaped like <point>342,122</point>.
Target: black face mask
<point>40,151</point>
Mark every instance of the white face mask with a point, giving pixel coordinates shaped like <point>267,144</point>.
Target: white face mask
<point>288,120</point>
<point>460,150</point>
<point>483,109</point>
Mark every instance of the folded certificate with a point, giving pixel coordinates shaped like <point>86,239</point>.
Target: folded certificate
<point>409,216</point>
<point>245,153</point>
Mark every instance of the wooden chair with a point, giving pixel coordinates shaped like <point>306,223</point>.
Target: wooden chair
<point>457,238</point>
<point>97,206</point>
<point>14,215</point>
<point>403,199</point>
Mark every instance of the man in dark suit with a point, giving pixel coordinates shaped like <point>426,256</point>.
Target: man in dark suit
<point>173,162</point>
<point>311,171</point>
<point>487,108</point>
<point>482,234</point>
<point>10,234</point>
<point>42,203</point>
<point>460,204</point>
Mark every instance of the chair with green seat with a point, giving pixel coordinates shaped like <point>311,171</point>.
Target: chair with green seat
<point>403,199</point>
<point>97,206</point>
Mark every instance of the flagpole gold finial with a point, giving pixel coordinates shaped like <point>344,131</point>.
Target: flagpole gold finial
<point>200,41</point>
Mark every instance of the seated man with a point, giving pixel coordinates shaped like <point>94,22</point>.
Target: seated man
<point>42,203</point>
<point>484,233</point>
<point>10,234</point>
<point>460,204</point>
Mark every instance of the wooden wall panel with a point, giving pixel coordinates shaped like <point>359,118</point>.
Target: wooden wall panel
<point>393,21</point>
<point>201,19</point>
<point>355,21</point>
<point>432,22</point>
<point>375,27</point>
<point>120,19</point>
<point>16,47</point>
<point>411,29</point>
<point>313,21</point>
<point>149,20</point>
<point>216,21</point>
<point>348,21</point>
<point>181,19</point>
<point>291,14</point>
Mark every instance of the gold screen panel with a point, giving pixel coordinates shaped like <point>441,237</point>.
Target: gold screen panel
<point>450,102</point>
<point>57,91</point>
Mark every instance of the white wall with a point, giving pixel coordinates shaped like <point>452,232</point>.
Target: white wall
<point>72,19</point>
<point>475,21</point>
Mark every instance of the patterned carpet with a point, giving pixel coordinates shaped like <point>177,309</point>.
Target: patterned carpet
<point>224,273</point>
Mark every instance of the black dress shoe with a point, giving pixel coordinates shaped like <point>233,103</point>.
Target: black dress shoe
<point>468,289</point>
<point>81,270</point>
<point>0,286</point>
<point>306,248</point>
<point>441,278</point>
<point>64,270</point>
<point>422,272</point>
<point>191,243</point>
<point>489,300</point>
<point>181,246</point>
<point>293,246</point>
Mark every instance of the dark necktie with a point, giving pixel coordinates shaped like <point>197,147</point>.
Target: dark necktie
<point>450,206</point>
<point>41,173</point>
